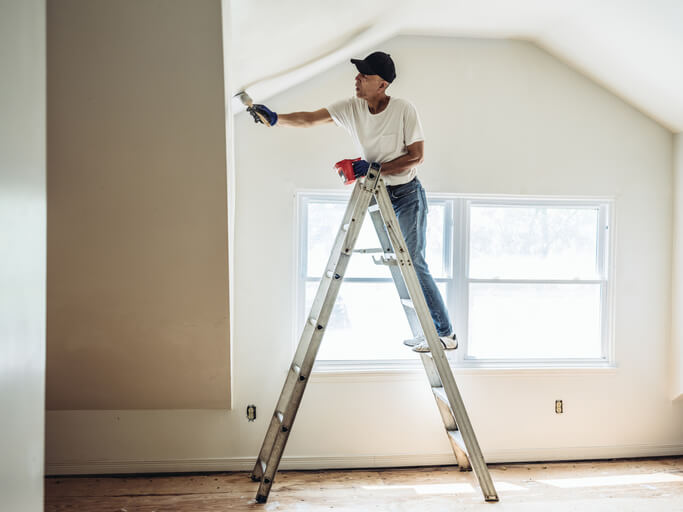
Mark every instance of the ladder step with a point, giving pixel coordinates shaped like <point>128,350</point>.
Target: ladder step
<point>369,251</point>
<point>456,436</point>
<point>440,394</point>
<point>383,260</point>
<point>332,274</point>
<point>408,303</point>
<point>464,463</point>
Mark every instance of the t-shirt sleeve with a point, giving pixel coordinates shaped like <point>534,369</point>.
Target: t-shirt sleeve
<point>412,127</point>
<point>341,113</point>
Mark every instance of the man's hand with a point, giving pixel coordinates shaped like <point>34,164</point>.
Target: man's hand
<point>261,112</point>
<point>360,168</point>
<point>349,170</point>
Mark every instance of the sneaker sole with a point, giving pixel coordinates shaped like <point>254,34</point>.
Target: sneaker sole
<point>443,346</point>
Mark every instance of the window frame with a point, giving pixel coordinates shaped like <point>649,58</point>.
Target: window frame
<point>605,241</point>
<point>456,246</point>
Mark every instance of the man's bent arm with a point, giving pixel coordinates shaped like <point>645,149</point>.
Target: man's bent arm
<point>415,156</point>
<point>304,119</point>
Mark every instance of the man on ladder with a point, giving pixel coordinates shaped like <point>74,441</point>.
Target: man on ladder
<point>388,132</point>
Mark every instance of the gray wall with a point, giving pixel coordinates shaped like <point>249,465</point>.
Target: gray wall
<point>22,253</point>
<point>137,206</point>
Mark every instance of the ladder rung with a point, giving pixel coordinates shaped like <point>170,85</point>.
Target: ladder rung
<point>382,260</point>
<point>331,274</point>
<point>408,303</point>
<point>456,435</point>
<point>440,394</point>
<point>369,251</point>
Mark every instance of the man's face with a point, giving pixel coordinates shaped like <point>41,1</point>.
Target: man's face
<point>368,86</point>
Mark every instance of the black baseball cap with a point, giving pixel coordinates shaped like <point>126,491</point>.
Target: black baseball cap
<point>377,63</point>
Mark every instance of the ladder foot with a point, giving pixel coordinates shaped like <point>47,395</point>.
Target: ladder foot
<point>260,498</point>
<point>491,498</point>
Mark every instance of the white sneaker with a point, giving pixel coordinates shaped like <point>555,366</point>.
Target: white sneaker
<point>449,342</point>
<point>414,341</point>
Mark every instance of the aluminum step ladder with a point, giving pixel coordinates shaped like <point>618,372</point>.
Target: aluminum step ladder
<point>370,195</point>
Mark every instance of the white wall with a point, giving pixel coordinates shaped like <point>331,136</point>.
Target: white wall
<point>499,117</point>
<point>22,254</point>
<point>677,280</point>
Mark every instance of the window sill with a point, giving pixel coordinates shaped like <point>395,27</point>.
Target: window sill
<point>413,370</point>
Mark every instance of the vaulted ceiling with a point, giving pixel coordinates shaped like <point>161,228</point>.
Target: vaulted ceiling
<point>632,47</point>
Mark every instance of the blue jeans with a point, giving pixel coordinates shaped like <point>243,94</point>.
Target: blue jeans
<point>410,205</point>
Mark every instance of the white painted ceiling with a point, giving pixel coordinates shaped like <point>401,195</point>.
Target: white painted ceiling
<point>632,47</point>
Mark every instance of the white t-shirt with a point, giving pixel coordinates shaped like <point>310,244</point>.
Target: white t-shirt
<point>380,137</point>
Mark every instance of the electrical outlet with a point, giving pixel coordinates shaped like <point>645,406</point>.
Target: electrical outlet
<point>251,412</point>
<point>559,407</point>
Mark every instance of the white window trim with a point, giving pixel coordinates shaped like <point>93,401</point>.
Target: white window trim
<point>458,295</point>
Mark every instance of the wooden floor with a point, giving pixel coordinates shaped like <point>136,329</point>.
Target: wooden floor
<point>650,485</point>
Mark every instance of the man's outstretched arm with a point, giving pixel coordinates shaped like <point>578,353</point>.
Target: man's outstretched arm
<point>305,119</point>
<point>262,114</point>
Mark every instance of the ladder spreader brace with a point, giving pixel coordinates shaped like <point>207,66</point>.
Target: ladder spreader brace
<point>370,195</point>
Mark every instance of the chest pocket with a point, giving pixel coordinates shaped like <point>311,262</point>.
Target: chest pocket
<point>387,143</point>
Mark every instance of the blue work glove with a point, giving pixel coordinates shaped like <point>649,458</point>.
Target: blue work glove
<point>257,111</point>
<point>360,168</point>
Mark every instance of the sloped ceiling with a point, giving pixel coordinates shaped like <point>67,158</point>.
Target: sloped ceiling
<point>632,47</point>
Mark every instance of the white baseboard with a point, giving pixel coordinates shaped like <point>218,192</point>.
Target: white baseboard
<point>99,467</point>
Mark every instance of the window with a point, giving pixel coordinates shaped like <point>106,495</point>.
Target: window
<point>526,282</point>
<point>536,280</point>
<point>367,322</point>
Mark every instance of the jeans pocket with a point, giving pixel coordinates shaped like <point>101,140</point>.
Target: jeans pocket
<point>401,191</point>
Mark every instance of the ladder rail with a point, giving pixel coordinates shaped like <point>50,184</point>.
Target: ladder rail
<point>429,330</point>
<point>302,347</point>
<point>336,255</point>
<point>309,343</point>
<point>304,340</point>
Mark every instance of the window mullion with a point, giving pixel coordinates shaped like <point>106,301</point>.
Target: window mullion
<point>461,272</point>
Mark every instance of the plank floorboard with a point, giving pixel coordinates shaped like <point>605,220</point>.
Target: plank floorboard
<point>651,485</point>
